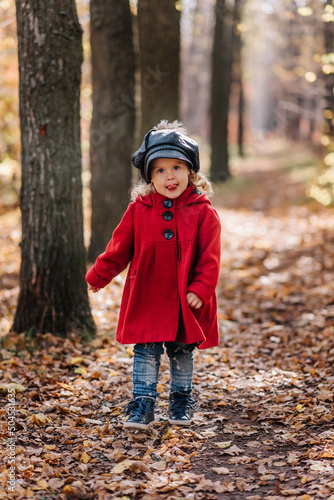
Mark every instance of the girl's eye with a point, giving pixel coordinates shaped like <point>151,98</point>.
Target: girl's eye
<point>160,170</point>
<point>176,167</point>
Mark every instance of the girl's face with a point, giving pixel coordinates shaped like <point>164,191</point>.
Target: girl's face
<point>169,176</point>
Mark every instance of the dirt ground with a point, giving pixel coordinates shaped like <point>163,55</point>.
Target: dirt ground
<point>263,421</point>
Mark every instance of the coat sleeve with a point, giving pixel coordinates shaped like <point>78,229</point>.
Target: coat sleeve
<point>118,254</point>
<point>206,271</point>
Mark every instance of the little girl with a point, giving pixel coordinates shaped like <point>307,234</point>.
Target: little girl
<point>170,235</point>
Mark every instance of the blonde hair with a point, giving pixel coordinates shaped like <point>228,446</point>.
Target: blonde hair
<point>198,180</point>
<point>175,125</point>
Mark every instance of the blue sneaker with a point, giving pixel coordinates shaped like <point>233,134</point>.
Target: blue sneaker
<point>141,413</point>
<point>180,408</point>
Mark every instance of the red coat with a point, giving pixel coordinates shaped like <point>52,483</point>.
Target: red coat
<point>168,258</point>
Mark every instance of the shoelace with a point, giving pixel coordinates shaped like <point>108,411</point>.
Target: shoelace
<point>137,407</point>
<point>180,404</point>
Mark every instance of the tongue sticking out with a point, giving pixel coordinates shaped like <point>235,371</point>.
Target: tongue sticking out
<point>171,187</point>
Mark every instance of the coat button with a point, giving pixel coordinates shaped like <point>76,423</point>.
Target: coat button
<point>168,234</point>
<point>168,215</point>
<point>167,203</point>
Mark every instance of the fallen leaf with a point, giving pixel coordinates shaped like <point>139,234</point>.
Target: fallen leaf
<point>169,434</point>
<point>75,489</point>
<point>158,465</point>
<point>221,470</point>
<point>55,483</point>
<point>327,453</point>
<point>81,370</point>
<point>318,467</point>
<point>253,444</point>
<point>83,467</point>
<point>12,387</point>
<point>39,419</point>
<point>290,491</point>
<point>105,428</point>
<point>234,450</point>
<point>85,458</point>
<point>42,484</point>
<point>262,469</point>
<point>224,444</point>
<point>49,446</point>
<point>242,460</point>
<point>216,486</point>
<point>122,466</point>
<point>92,421</point>
<point>75,361</point>
<point>267,477</point>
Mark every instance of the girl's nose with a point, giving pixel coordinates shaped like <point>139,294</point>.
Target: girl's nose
<point>170,174</point>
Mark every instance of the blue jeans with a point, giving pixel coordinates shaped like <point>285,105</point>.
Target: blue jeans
<point>146,365</point>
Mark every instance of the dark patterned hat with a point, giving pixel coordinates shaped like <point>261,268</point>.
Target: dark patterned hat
<point>165,143</point>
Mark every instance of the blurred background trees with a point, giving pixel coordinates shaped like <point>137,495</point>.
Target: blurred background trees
<point>239,73</point>
<point>286,64</point>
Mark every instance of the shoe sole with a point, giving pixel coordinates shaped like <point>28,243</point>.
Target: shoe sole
<point>186,423</point>
<point>134,425</point>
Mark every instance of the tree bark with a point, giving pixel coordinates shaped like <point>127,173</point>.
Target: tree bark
<point>220,92</point>
<point>328,127</point>
<point>53,293</point>
<point>237,59</point>
<point>159,47</point>
<point>294,95</point>
<point>196,51</point>
<point>241,109</point>
<point>113,120</point>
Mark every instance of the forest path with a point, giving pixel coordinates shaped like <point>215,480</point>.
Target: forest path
<point>276,312</point>
<point>263,423</point>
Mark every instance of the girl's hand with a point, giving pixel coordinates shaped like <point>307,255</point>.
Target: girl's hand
<point>193,300</point>
<point>93,289</point>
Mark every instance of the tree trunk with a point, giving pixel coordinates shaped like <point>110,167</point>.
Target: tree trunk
<point>159,47</point>
<point>220,92</point>
<point>53,293</point>
<point>237,59</point>
<point>294,97</point>
<point>113,120</point>
<point>241,108</point>
<point>328,127</point>
<point>196,51</point>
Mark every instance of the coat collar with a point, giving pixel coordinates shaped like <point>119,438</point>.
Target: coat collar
<point>188,197</point>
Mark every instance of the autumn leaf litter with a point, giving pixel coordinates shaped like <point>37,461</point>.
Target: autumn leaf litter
<point>263,423</point>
